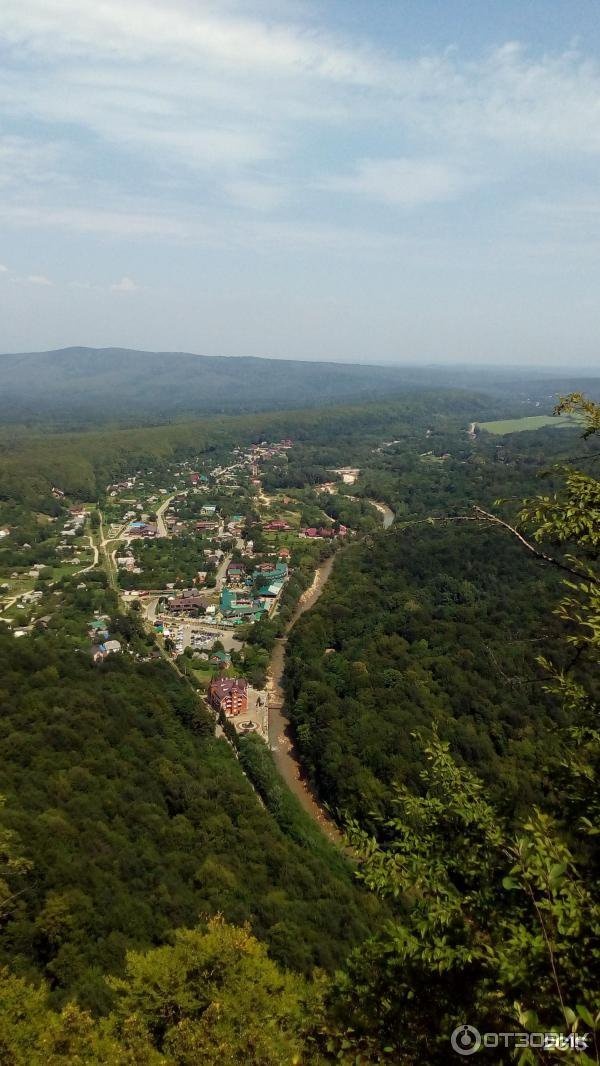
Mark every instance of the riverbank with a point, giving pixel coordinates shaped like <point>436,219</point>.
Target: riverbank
<point>385,511</point>
<point>280,737</point>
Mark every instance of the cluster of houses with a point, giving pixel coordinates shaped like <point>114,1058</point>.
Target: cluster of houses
<point>210,522</point>
<point>245,597</point>
<point>75,521</point>
<point>238,607</point>
<point>249,597</point>
<point>324,532</point>
<point>264,450</point>
<point>188,602</point>
<point>102,644</point>
<point>142,530</point>
<point>127,562</point>
<point>174,525</point>
<point>277,525</point>
<point>27,599</point>
<point>120,486</point>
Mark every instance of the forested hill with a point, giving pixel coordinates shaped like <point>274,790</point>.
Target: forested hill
<point>81,463</point>
<point>429,625</point>
<point>91,383</point>
<point>136,820</point>
<point>79,384</point>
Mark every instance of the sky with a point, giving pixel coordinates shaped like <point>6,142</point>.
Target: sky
<point>358,180</point>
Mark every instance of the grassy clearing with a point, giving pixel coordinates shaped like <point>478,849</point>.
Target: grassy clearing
<point>516,425</point>
<point>203,672</point>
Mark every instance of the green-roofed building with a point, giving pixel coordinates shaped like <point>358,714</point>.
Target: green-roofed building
<point>278,573</point>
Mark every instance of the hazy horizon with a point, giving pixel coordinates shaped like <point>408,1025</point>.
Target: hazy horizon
<point>572,371</point>
<point>350,182</point>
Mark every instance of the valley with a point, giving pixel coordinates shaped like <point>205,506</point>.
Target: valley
<point>299,533</point>
<point>270,632</point>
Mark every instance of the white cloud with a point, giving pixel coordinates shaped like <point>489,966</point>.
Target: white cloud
<point>3,269</point>
<point>401,182</point>
<point>170,63</point>
<point>38,279</point>
<point>196,96</point>
<point>125,285</point>
<point>182,32</point>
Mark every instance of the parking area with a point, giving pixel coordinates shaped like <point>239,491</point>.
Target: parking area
<point>197,635</point>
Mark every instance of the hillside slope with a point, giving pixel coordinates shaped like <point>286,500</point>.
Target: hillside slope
<point>80,385</point>
<point>88,382</point>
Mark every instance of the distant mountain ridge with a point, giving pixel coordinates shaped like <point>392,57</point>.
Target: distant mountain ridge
<point>98,384</point>
<point>84,382</point>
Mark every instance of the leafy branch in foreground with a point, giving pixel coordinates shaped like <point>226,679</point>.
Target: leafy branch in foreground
<point>491,928</point>
<point>571,516</point>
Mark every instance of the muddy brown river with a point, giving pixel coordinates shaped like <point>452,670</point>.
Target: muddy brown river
<point>280,738</point>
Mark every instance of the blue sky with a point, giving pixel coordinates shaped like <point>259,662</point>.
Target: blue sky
<point>364,180</point>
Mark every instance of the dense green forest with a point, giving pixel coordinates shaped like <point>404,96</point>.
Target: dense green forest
<point>517,947</point>
<point>425,625</point>
<point>164,899</point>
<point>82,463</point>
<point>134,820</point>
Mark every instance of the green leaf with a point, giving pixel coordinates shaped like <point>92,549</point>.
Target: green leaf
<point>585,1015</point>
<point>557,871</point>
<point>510,883</point>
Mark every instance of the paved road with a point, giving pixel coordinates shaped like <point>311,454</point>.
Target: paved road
<point>160,522</point>
<point>222,570</point>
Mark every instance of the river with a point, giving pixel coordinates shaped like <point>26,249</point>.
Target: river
<point>280,738</point>
<point>386,512</point>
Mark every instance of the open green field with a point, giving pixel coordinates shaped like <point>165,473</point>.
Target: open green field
<point>515,425</point>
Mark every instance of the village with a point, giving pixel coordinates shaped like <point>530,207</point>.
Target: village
<point>206,555</point>
<point>202,554</point>
<point>198,551</point>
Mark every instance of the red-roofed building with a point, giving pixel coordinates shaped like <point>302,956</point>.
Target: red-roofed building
<point>236,573</point>
<point>277,525</point>
<point>230,695</point>
<point>325,532</point>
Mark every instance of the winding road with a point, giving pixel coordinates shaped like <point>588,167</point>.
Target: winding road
<point>85,569</point>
